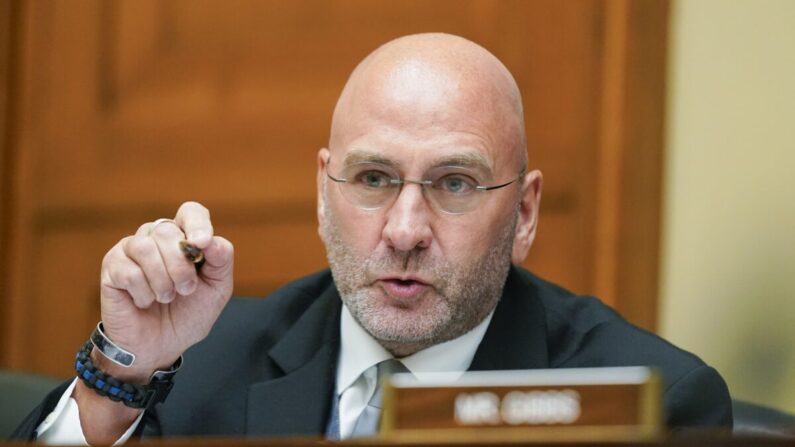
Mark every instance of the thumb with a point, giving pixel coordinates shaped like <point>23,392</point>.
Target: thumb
<point>218,260</point>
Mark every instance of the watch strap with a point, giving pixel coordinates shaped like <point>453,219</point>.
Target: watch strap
<point>133,396</point>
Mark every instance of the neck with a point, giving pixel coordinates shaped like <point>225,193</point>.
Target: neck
<point>400,350</point>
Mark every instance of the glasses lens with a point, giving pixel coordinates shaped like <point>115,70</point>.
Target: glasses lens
<point>369,185</point>
<point>451,189</point>
<point>454,191</point>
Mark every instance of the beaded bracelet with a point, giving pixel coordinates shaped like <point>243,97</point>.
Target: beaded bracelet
<point>133,396</point>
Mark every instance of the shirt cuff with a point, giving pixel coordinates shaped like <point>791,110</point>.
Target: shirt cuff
<point>62,426</point>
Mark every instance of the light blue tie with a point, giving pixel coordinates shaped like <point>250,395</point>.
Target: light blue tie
<point>367,424</point>
<point>333,425</point>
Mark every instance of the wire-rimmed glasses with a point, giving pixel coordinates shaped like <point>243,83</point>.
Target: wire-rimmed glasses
<point>451,189</point>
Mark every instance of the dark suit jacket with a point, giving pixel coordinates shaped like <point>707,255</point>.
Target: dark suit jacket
<point>268,366</point>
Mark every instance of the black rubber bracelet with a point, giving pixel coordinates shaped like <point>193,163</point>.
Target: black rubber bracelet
<point>133,396</point>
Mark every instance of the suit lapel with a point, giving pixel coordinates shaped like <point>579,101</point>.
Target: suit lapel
<point>517,335</point>
<point>298,403</point>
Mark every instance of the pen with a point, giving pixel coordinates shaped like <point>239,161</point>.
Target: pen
<point>194,254</point>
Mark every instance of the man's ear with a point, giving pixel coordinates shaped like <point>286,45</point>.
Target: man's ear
<point>530,201</point>
<point>322,163</point>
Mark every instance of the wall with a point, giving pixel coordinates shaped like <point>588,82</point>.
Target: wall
<point>727,289</point>
<point>227,102</point>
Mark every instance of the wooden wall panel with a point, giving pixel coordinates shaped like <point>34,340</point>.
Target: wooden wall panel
<point>638,253</point>
<point>6,45</point>
<point>127,108</point>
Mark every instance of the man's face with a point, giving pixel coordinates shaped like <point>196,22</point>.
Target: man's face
<point>411,274</point>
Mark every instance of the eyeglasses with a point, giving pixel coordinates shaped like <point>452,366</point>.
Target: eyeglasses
<point>452,189</point>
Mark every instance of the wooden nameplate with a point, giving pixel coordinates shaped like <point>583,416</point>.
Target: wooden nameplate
<point>583,404</point>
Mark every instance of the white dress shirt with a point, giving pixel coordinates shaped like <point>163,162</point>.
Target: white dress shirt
<point>62,425</point>
<point>360,353</point>
<point>356,379</point>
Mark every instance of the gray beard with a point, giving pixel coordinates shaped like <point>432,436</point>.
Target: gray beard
<point>463,295</point>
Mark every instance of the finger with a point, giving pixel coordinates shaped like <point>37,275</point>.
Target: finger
<point>219,260</point>
<point>194,219</point>
<point>144,229</point>
<point>170,238</point>
<point>145,252</point>
<point>180,269</point>
<point>121,273</point>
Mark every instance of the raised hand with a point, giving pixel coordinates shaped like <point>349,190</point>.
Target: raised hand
<point>154,302</point>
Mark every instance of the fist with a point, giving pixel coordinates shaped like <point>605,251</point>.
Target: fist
<point>155,302</point>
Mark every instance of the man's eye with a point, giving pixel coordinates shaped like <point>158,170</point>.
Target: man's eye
<point>456,184</point>
<point>373,179</point>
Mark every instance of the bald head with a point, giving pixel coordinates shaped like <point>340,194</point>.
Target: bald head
<point>433,80</point>
<point>425,262</point>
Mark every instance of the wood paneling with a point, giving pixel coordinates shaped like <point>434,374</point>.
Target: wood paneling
<point>640,217</point>
<point>9,13</point>
<point>127,108</point>
<point>630,157</point>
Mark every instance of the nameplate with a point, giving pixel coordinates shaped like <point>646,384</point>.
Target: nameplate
<point>555,404</point>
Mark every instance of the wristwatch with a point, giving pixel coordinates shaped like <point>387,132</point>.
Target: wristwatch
<point>133,396</point>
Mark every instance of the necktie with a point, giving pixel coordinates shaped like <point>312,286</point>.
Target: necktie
<point>367,423</point>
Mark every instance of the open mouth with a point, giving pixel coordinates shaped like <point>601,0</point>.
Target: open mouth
<point>404,289</point>
<point>405,282</point>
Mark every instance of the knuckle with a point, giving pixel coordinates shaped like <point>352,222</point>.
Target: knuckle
<point>115,253</point>
<point>109,258</point>
<point>130,278</point>
<point>183,273</point>
<point>139,246</point>
<point>160,286</point>
<point>229,247</point>
<point>225,245</point>
<point>165,230</point>
<point>193,206</point>
<point>143,300</point>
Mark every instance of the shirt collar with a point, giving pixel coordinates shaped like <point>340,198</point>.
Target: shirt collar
<point>359,351</point>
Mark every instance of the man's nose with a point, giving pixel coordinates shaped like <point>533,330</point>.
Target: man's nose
<point>408,220</point>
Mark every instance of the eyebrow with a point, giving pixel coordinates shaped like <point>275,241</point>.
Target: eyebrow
<point>471,160</point>
<point>364,156</point>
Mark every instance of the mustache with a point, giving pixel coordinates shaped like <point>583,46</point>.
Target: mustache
<point>398,261</point>
<point>416,261</point>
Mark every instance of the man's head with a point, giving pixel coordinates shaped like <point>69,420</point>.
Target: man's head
<point>421,264</point>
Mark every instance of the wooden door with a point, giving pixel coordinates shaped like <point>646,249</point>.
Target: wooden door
<point>115,112</point>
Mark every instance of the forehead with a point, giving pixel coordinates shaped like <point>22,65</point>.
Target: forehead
<point>414,150</point>
<point>417,113</point>
<point>411,138</point>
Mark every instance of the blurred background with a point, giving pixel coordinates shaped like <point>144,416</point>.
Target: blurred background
<point>664,130</point>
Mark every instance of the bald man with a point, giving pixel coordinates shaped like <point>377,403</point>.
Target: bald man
<point>426,207</point>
